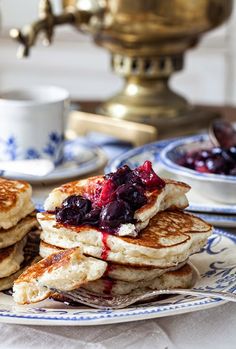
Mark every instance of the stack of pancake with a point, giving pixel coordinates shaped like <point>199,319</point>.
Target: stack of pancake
<point>151,253</point>
<point>17,220</point>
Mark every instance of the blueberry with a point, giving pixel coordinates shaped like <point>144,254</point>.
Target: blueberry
<point>216,150</point>
<point>233,171</point>
<point>217,165</point>
<point>132,177</point>
<point>78,201</point>
<point>133,194</point>
<point>204,153</point>
<point>199,163</point>
<point>69,215</point>
<point>114,214</point>
<point>232,152</point>
<point>215,160</point>
<point>93,217</point>
<point>226,155</point>
<point>190,161</point>
<point>119,177</point>
<point>70,201</point>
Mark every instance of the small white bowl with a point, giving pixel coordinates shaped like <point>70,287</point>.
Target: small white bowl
<point>217,187</point>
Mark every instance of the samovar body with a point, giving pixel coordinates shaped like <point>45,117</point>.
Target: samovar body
<point>147,40</point>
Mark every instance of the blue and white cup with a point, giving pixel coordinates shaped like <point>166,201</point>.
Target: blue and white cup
<point>32,123</point>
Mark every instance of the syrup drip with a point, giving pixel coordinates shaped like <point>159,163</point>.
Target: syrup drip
<point>106,248</point>
<point>108,286</point>
<point>109,268</point>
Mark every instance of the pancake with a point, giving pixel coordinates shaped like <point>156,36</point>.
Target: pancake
<point>172,196</point>
<point>12,235</point>
<point>11,258</point>
<point>7,282</point>
<point>181,278</point>
<point>169,239</point>
<point>65,270</point>
<point>31,256</point>
<point>15,202</point>
<point>117,271</point>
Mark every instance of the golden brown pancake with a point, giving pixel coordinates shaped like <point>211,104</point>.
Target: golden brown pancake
<point>181,278</point>
<point>12,235</point>
<point>11,258</point>
<point>64,270</point>
<point>7,282</point>
<point>15,202</point>
<point>115,270</point>
<point>168,240</point>
<point>19,255</point>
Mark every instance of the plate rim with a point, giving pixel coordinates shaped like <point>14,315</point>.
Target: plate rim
<point>102,320</point>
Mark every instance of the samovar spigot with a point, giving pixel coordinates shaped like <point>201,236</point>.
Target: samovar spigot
<point>28,35</point>
<point>89,15</point>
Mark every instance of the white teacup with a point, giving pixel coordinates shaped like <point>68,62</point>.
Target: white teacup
<point>32,123</point>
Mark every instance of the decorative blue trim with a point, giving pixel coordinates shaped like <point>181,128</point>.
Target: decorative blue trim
<point>118,315</point>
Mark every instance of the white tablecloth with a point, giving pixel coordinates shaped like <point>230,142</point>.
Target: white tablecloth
<point>209,329</point>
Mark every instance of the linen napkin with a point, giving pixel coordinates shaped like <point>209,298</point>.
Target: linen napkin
<point>134,335</point>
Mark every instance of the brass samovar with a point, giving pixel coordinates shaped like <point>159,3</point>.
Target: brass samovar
<point>147,40</point>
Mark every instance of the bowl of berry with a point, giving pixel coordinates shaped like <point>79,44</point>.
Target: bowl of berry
<point>207,162</point>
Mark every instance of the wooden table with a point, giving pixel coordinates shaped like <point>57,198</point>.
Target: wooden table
<point>84,119</point>
<point>227,112</point>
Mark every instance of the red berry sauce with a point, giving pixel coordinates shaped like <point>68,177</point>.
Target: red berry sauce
<point>112,201</point>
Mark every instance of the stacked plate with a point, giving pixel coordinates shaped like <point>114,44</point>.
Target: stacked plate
<point>205,188</point>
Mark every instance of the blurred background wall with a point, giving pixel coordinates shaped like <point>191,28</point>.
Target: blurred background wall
<point>74,62</point>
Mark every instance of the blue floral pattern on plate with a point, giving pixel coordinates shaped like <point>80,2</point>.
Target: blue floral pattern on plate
<point>215,262</point>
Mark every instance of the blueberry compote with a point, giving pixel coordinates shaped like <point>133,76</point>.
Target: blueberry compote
<point>215,160</point>
<point>116,199</point>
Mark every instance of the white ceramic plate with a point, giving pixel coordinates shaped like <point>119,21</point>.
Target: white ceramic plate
<point>80,158</point>
<point>219,220</point>
<point>216,264</point>
<point>151,152</point>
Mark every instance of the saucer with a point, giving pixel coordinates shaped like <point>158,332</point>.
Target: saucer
<point>80,158</point>
<point>197,202</point>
